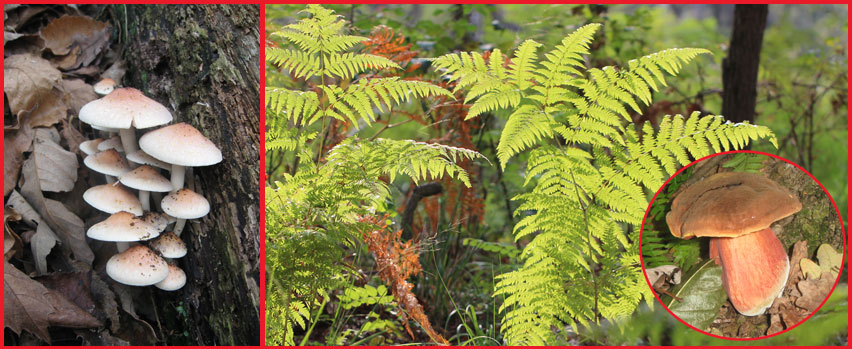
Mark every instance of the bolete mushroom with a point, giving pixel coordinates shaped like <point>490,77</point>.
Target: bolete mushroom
<point>125,109</point>
<point>736,210</point>
<point>180,145</point>
<point>138,266</point>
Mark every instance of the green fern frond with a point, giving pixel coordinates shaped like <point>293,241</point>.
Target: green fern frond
<point>565,61</point>
<point>523,64</point>
<point>287,139</point>
<point>524,129</point>
<point>418,160</point>
<point>346,65</point>
<point>359,101</point>
<point>297,107</point>
<point>589,186</point>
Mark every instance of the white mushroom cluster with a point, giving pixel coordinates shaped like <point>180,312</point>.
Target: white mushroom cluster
<point>126,167</point>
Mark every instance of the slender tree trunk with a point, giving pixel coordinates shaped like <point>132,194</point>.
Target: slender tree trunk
<point>202,62</point>
<point>739,69</point>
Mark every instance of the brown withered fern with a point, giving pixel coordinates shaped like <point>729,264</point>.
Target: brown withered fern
<point>396,261</point>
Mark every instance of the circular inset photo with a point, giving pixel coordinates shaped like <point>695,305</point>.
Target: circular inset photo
<point>742,245</point>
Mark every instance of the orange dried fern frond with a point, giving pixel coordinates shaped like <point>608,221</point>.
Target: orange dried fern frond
<point>396,261</point>
<point>383,41</point>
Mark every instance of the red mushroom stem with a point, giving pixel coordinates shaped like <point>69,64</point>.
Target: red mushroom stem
<point>755,268</point>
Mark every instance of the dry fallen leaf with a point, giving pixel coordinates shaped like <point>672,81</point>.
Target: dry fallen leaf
<point>43,240</point>
<point>41,243</point>
<point>105,299</point>
<point>28,81</point>
<point>56,167</point>
<point>72,137</point>
<point>49,111</point>
<point>829,259</point>
<point>12,244</point>
<point>81,37</point>
<point>814,292</point>
<point>18,16</point>
<point>77,94</point>
<point>30,306</point>
<point>15,143</point>
<point>810,269</point>
<point>76,287</point>
<point>64,223</point>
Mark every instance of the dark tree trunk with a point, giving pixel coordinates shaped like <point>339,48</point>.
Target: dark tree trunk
<point>739,69</point>
<point>202,62</point>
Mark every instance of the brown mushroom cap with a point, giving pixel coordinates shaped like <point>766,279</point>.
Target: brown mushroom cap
<point>180,144</point>
<point>141,157</point>
<point>108,162</point>
<point>138,266</point>
<point>174,281</point>
<point>123,108</point>
<point>123,226</point>
<point>169,245</point>
<point>730,204</point>
<point>91,146</point>
<point>185,204</point>
<point>146,178</point>
<point>158,220</point>
<point>111,143</point>
<point>112,198</point>
<point>105,86</point>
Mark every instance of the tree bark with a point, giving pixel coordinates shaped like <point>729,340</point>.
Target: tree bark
<point>739,69</point>
<point>203,63</point>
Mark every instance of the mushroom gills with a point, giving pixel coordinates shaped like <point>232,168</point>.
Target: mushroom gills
<point>755,268</point>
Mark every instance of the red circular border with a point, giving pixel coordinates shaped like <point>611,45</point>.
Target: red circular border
<point>645,218</point>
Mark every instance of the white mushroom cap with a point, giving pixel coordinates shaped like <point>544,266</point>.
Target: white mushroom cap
<point>180,144</point>
<point>142,158</point>
<point>174,281</point>
<point>138,266</point>
<point>108,162</point>
<point>185,204</point>
<point>112,198</point>
<point>158,220</point>
<point>123,226</point>
<point>91,146</point>
<point>112,143</point>
<point>169,245</point>
<point>146,178</point>
<point>105,86</point>
<point>123,108</point>
<point>105,129</point>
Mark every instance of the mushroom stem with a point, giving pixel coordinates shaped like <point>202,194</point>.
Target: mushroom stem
<point>144,199</point>
<point>178,176</point>
<point>179,224</point>
<point>755,268</point>
<point>128,140</point>
<point>109,179</point>
<point>122,246</point>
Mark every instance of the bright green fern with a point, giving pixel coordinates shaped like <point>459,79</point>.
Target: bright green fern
<point>313,212</point>
<point>589,171</point>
